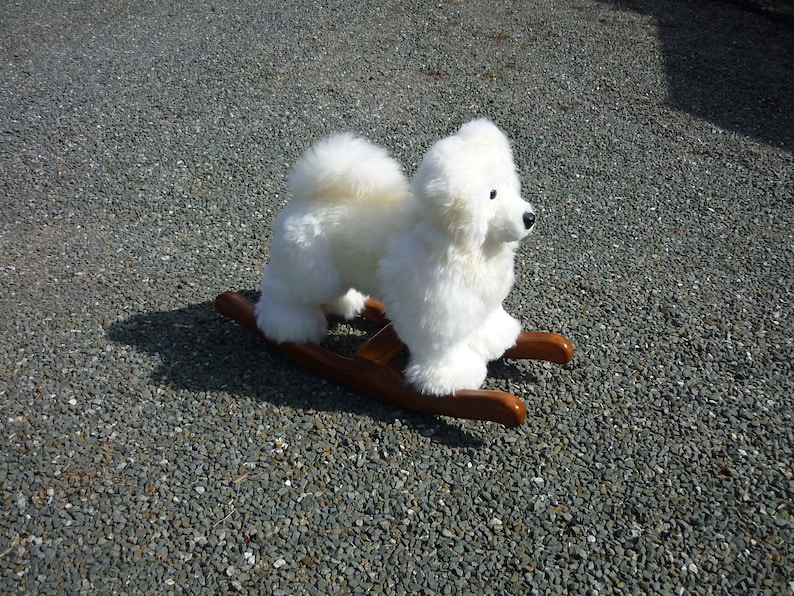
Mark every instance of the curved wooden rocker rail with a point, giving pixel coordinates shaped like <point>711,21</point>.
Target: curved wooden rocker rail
<point>371,370</point>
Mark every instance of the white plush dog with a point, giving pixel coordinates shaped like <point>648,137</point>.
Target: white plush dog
<point>438,251</point>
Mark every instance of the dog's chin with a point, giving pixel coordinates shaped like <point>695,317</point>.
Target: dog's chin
<point>508,235</point>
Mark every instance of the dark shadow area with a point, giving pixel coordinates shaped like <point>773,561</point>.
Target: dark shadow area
<point>201,351</point>
<point>730,63</point>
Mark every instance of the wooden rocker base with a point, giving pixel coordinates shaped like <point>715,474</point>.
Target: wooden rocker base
<point>372,372</point>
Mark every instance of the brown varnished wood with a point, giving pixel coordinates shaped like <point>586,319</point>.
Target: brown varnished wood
<point>371,371</point>
<point>540,345</point>
<point>383,346</point>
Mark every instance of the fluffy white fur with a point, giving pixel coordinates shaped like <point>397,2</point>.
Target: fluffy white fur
<point>438,251</point>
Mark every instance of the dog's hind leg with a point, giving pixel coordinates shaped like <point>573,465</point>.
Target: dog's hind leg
<point>347,306</point>
<point>290,321</point>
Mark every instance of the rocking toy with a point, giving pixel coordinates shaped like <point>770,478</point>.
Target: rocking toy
<point>373,372</point>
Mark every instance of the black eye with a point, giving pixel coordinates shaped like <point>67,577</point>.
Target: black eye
<point>493,195</point>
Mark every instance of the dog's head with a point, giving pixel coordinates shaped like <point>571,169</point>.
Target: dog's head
<point>467,187</point>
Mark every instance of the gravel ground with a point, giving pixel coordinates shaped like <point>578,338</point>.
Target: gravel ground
<point>148,446</point>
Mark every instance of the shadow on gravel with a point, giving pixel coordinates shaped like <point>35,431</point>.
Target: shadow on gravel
<point>200,351</point>
<point>730,63</point>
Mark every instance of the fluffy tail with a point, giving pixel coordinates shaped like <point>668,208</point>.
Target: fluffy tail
<point>345,167</point>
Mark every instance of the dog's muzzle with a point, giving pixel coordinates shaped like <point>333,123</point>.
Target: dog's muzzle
<point>529,220</point>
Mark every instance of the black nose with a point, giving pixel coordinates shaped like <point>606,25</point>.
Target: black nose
<point>529,219</point>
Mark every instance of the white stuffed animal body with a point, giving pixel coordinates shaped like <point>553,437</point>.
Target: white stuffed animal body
<point>438,251</point>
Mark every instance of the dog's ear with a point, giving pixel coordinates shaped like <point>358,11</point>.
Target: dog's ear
<point>445,188</point>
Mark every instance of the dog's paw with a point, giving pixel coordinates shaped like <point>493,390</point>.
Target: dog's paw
<point>347,306</point>
<point>460,369</point>
<point>291,323</point>
<point>497,334</point>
